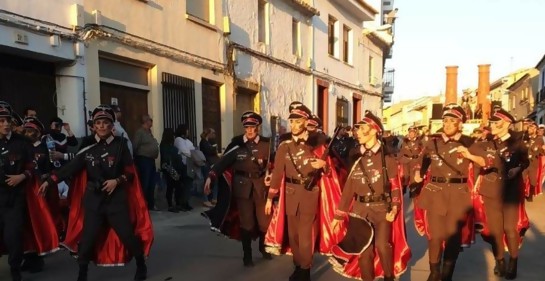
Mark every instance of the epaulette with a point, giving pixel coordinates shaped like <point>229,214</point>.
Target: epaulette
<point>237,140</point>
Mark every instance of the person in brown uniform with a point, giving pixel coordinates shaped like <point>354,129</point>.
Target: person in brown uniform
<point>248,156</point>
<point>295,163</point>
<point>446,197</point>
<point>408,155</point>
<point>536,149</point>
<point>373,192</point>
<point>502,160</point>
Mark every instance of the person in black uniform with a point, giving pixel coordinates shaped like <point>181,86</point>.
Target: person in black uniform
<point>15,168</point>
<point>248,155</point>
<point>105,199</point>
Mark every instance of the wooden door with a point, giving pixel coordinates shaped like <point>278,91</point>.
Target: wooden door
<point>211,110</point>
<point>245,102</point>
<point>133,104</point>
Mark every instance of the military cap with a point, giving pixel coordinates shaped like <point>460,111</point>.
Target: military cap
<point>371,120</point>
<point>541,126</point>
<point>315,121</point>
<point>455,111</point>
<point>33,123</point>
<point>298,111</point>
<point>527,120</point>
<point>531,123</point>
<point>502,114</point>
<point>103,112</point>
<point>250,118</point>
<point>5,109</point>
<point>412,128</point>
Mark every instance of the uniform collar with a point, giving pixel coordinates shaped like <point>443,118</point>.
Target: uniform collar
<point>245,139</point>
<point>302,137</point>
<point>456,137</point>
<point>374,149</point>
<point>108,140</point>
<point>8,136</point>
<point>505,137</point>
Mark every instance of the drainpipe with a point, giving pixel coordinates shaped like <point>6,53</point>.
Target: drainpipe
<point>312,60</point>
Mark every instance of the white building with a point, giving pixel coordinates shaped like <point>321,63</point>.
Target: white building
<point>42,60</point>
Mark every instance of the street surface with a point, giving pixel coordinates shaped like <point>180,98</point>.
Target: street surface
<point>185,249</point>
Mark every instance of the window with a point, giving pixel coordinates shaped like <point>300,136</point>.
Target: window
<point>331,36</point>
<point>199,9</point>
<point>371,69</point>
<point>342,112</point>
<point>347,50</point>
<point>262,21</point>
<point>295,38</point>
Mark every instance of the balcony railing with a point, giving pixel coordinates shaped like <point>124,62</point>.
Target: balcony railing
<point>388,81</point>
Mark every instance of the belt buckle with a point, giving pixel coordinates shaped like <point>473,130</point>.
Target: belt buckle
<point>441,180</point>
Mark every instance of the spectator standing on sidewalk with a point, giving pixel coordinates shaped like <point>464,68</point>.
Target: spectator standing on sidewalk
<point>146,150</point>
<point>185,146</point>
<point>209,148</point>
<point>172,168</point>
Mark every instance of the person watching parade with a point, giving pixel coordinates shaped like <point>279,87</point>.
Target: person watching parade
<point>533,176</point>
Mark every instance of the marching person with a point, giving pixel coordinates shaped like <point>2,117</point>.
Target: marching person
<point>304,185</point>
<point>446,197</point>
<point>536,150</point>
<point>15,168</point>
<point>502,160</point>
<point>408,154</point>
<point>109,172</point>
<point>248,155</point>
<point>371,198</point>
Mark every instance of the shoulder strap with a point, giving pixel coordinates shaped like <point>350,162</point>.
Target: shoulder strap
<point>385,178</point>
<point>365,175</point>
<point>293,162</point>
<point>445,161</point>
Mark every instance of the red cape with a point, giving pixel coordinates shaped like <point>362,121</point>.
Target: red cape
<point>109,250</point>
<point>40,234</point>
<point>480,217</point>
<point>330,195</point>
<point>468,231</point>
<point>398,240</point>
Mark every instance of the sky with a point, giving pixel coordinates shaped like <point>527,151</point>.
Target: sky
<point>431,34</point>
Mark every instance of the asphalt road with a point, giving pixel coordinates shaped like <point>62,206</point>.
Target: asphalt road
<point>186,250</point>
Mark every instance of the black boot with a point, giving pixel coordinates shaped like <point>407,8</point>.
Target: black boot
<point>304,274</point>
<point>37,264</point>
<point>499,269</point>
<point>141,269</point>
<point>389,278</point>
<point>16,274</point>
<point>448,270</point>
<point>83,268</point>
<point>247,248</point>
<point>295,275</point>
<point>511,269</point>
<point>264,253</point>
<point>435,272</point>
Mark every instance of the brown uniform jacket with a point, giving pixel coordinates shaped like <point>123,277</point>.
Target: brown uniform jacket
<point>367,173</point>
<point>292,164</point>
<point>249,160</point>
<point>410,150</point>
<point>501,155</point>
<point>535,150</point>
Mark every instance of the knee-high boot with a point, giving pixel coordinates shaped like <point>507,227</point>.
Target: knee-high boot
<point>247,248</point>
<point>435,272</point>
<point>511,269</point>
<point>448,270</point>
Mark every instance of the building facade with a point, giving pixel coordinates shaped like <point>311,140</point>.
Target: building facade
<point>522,96</point>
<point>540,93</point>
<point>193,62</point>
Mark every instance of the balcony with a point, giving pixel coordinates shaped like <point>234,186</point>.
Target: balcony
<point>388,81</point>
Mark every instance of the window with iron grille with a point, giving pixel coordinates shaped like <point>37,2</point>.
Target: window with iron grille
<point>179,103</point>
<point>331,35</point>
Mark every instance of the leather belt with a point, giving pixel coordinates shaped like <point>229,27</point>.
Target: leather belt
<point>303,181</point>
<point>254,175</point>
<point>448,180</point>
<point>385,197</point>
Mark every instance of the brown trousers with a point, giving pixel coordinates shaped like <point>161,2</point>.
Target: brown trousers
<point>502,218</point>
<point>251,210</point>
<point>302,237</point>
<point>381,241</point>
